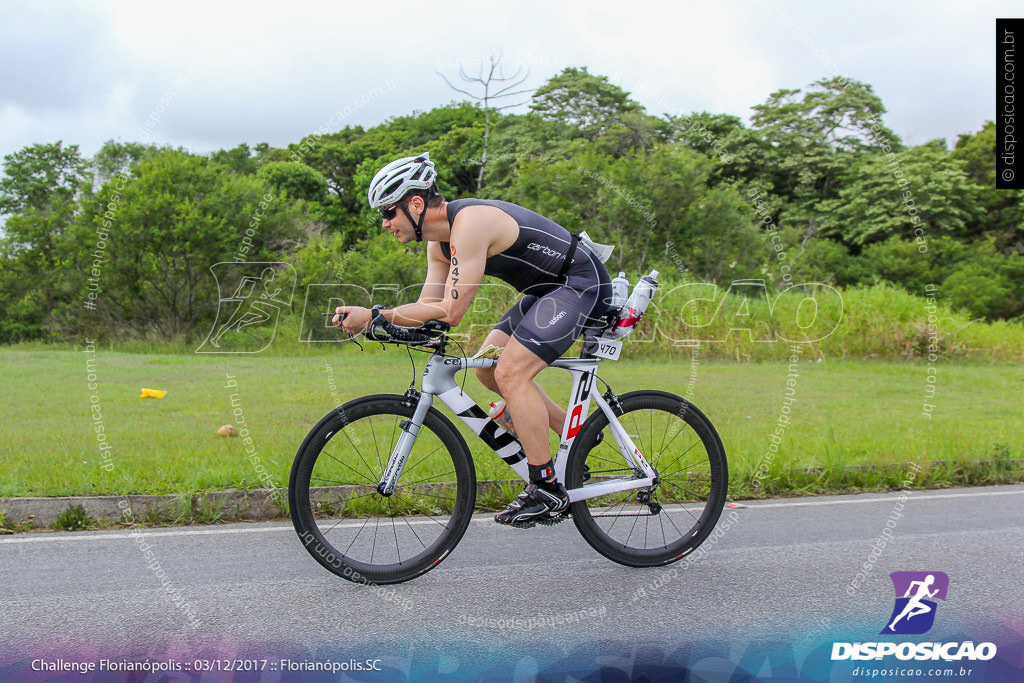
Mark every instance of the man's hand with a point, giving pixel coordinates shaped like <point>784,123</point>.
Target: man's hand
<point>356,321</point>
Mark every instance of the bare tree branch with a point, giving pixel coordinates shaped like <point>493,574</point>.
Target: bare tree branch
<point>495,77</point>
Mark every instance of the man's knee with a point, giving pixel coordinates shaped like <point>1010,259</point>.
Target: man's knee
<point>509,375</point>
<point>516,366</point>
<point>503,376</point>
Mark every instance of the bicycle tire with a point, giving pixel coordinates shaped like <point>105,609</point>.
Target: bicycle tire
<point>694,494</point>
<point>429,510</point>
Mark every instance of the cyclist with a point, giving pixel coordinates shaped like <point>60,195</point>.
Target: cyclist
<point>563,283</point>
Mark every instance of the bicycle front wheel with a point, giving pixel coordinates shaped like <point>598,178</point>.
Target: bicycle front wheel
<point>353,530</point>
<point>661,524</point>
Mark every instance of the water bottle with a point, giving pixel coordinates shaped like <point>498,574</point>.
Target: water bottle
<point>636,306</point>
<point>620,290</point>
<point>500,414</point>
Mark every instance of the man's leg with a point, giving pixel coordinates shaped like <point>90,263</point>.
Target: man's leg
<point>555,413</point>
<point>514,377</point>
<point>545,497</point>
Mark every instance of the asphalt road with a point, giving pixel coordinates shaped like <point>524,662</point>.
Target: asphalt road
<point>784,571</point>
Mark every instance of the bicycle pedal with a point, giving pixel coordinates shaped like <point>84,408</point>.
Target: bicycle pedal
<point>554,519</point>
<point>547,521</point>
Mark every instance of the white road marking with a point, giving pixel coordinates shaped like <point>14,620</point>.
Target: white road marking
<point>751,504</point>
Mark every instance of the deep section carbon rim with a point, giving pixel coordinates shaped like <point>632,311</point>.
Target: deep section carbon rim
<point>351,528</point>
<point>661,524</point>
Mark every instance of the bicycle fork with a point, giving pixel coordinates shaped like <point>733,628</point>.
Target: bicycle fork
<point>410,429</point>
<point>439,380</point>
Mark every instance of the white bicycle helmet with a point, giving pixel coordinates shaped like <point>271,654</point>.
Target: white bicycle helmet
<point>396,179</point>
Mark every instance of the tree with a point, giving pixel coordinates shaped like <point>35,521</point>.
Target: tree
<point>809,139</point>
<point>294,180</point>
<point>705,132</point>
<point>504,88</point>
<point>240,159</point>
<point>519,139</point>
<point>1002,211</point>
<point>646,204</point>
<point>38,194</point>
<point>583,101</point>
<point>39,176</point>
<point>173,216</point>
<point>115,157</point>
<point>918,195</point>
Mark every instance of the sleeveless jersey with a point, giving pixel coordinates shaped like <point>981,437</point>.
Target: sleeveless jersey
<point>536,257</point>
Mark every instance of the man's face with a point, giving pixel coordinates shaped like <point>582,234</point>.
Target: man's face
<point>399,224</point>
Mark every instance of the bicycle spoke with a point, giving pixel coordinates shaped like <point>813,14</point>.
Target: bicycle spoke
<point>430,517</point>
<point>686,473</point>
<point>364,495</point>
<point>615,518</point>
<point>674,438</point>
<point>394,530</point>
<point>376,447</point>
<point>358,452</point>
<point>413,530</point>
<point>668,467</point>
<point>420,481</point>
<point>336,483</point>
<point>363,526</point>
<point>344,464</point>
<point>423,493</point>
<point>630,534</point>
<point>651,442</point>
<point>409,467</point>
<point>678,531</point>
<point>373,543</point>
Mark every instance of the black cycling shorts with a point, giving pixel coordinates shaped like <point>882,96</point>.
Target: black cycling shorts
<point>549,323</point>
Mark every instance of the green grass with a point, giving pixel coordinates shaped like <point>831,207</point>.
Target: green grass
<point>845,413</point>
<point>858,323</point>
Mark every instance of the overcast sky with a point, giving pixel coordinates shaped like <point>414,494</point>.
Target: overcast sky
<point>233,72</point>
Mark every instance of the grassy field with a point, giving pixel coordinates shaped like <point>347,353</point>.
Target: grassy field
<point>838,413</point>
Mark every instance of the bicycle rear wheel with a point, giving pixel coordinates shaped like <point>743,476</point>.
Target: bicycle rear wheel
<point>353,530</point>
<point>680,511</point>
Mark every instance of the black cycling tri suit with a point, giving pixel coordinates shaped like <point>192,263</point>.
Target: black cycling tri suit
<point>556,307</point>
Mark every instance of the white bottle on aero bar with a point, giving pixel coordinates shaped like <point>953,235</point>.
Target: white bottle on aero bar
<point>636,306</point>
<point>620,291</point>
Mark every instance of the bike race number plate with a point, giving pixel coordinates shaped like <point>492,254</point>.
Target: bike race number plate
<point>609,348</point>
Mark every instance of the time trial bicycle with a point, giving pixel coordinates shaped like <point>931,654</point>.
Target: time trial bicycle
<point>383,488</point>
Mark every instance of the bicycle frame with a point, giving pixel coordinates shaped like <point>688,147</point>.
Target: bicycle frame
<point>439,380</point>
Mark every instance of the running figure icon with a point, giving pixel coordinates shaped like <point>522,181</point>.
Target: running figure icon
<point>251,298</point>
<point>254,307</point>
<point>915,607</point>
<point>916,604</point>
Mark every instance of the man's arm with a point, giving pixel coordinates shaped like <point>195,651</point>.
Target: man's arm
<point>437,275</point>
<point>465,272</point>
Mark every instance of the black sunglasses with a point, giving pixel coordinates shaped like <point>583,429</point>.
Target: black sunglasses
<point>390,212</point>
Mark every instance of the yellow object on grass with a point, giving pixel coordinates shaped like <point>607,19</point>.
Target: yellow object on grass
<point>152,393</point>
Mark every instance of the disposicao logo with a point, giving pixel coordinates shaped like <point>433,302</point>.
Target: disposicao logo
<point>914,614</point>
